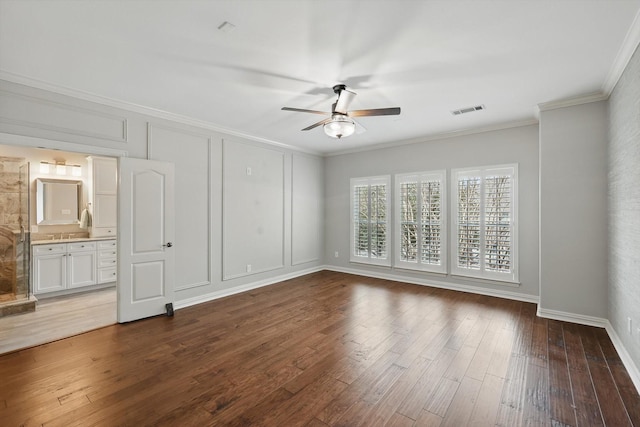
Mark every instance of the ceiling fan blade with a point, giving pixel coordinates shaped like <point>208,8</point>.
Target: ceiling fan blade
<point>321,122</point>
<point>344,100</point>
<point>359,128</point>
<point>394,111</point>
<point>302,110</point>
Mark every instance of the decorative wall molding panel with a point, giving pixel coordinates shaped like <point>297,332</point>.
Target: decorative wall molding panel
<point>39,113</point>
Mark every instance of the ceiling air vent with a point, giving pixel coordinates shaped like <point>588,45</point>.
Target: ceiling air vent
<point>467,110</point>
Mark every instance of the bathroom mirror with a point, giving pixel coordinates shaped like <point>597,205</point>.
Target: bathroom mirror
<point>58,201</point>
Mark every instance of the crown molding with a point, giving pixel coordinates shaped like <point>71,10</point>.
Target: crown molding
<point>437,137</point>
<point>572,102</point>
<point>140,109</point>
<point>626,51</point>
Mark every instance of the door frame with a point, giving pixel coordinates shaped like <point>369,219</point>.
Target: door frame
<point>34,142</point>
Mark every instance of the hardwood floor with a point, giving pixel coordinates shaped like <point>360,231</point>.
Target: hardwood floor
<point>327,349</point>
<point>57,318</point>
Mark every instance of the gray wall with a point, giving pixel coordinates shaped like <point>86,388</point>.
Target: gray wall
<point>573,209</point>
<point>225,219</point>
<point>624,207</point>
<point>516,145</point>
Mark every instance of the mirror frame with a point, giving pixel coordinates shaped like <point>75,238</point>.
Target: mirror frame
<point>40,220</point>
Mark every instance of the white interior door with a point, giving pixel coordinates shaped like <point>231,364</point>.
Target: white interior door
<point>145,238</point>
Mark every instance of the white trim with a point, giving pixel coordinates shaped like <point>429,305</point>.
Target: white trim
<point>30,141</point>
<point>122,137</point>
<point>438,284</point>
<point>628,47</point>
<point>564,316</point>
<point>437,137</point>
<point>420,178</point>
<point>243,288</point>
<point>481,173</point>
<point>140,109</point>
<point>572,102</point>
<point>368,182</point>
<point>627,360</point>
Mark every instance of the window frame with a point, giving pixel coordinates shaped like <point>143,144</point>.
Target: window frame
<point>482,272</point>
<point>421,178</point>
<point>369,182</point>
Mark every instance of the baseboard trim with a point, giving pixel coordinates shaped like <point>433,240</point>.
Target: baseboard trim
<point>438,284</point>
<point>626,358</point>
<point>564,316</point>
<point>243,288</point>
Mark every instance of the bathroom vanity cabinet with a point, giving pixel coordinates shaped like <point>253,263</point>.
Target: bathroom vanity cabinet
<point>59,267</point>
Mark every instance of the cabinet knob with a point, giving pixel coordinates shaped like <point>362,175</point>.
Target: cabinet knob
<point>168,245</point>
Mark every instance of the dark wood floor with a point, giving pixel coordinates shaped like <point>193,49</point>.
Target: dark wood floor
<point>324,350</point>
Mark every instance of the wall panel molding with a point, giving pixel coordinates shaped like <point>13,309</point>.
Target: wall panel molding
<point>188,225</point>
<point>43,114</point>
<point>253,209</point>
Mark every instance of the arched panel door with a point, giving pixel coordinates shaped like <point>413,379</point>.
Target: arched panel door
<point>145,238</point>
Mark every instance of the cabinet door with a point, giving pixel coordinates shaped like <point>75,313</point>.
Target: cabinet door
<point>105,211</point>
<point>105,176</point>
<point>82,269</point>
<point>50,273</point>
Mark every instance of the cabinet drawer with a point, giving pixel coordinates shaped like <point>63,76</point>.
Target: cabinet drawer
<point>109,253</point>
<point>109,262</point>
<point>49,249</point>
<point>107,244</point>
<point>81,246</point>
<point>106,275</point>
<point>103,232</point>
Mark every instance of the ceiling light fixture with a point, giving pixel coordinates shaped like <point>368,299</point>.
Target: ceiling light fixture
<point>340,126</point>
<point>59,168</point>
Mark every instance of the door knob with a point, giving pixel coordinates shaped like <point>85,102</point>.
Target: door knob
<point>168,245</point>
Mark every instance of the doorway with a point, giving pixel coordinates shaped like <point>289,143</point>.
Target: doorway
<point>35,317</point>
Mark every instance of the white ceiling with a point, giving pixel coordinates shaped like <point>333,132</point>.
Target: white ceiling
<point>427,57</point>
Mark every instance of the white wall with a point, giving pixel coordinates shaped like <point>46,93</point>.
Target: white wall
<point>573,210</point>
<point>211,249</point>
<point>516,145</point>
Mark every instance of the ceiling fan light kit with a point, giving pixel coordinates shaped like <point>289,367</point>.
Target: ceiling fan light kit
<point>340,124</point>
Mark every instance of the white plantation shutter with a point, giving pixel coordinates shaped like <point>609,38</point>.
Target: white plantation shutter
<point>497,225</point>
<point>485,213</point>
<point>370,220</point>
<point>419,221</point>
<point>468,226</point>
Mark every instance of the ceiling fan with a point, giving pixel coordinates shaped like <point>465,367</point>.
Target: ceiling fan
<point>340,123</point>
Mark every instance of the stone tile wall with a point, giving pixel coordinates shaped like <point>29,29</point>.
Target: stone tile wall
<point>9,221</point>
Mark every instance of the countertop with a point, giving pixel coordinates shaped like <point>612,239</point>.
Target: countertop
<point>72,240</point>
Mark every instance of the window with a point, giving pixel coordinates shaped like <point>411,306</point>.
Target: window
<point>370,220</point>
<point>485,214</point>
<point>420,205</point>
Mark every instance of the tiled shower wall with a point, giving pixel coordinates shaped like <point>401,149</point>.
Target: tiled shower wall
<point>9,221</point>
